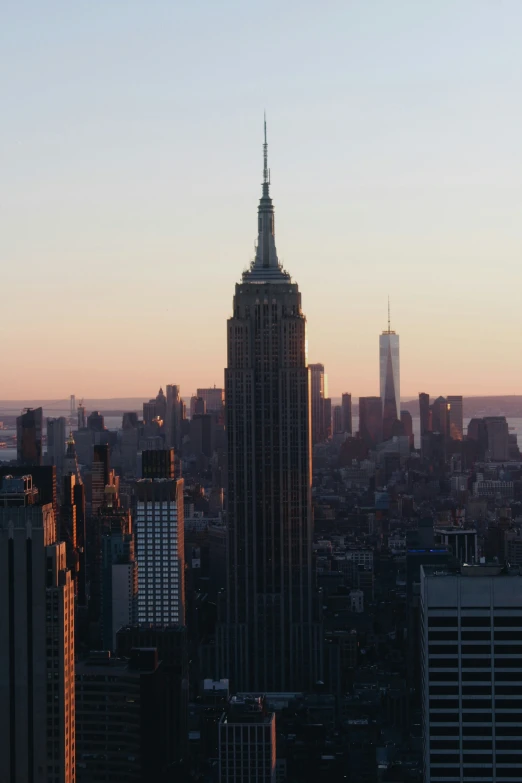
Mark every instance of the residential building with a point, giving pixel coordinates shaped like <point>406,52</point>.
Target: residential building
<point>160,551</point>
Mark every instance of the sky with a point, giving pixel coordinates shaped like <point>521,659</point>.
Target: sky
<point>131,163</point>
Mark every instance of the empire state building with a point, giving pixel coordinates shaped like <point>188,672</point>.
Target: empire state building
<point>270,637</point>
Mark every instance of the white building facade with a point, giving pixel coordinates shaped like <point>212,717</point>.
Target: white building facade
<point>160,551</point>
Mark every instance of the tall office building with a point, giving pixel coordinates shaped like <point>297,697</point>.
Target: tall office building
<point>440,416</point>
<point>424,413</point>
<point>173,416</point>
<point>56,442</point>
<point>214,399</point>
<point>247,742</point>
<point>389,365</point>
<point>29,437</point>
<point>346,405</point>
<point>37,718</point>
<point>272,639</point>
<point>456,420</point>
<point>160,551</point>
<point>100,477</point>
<point>337,420</point>
<point>318,394</point>
<point>471,621</point>
<point>370,420</point>
<point>498,438</point>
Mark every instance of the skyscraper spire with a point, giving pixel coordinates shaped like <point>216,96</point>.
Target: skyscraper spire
<point>266,264</point>
<point>266,172</point>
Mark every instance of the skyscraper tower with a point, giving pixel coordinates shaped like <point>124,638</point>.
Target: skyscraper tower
<point>390,378</point>
<point>271,639</point>
<point>37,716</point>
<point>318,395</point>
<point>29,437</point>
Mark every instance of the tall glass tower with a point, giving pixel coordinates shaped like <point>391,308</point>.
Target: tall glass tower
<point>269,635</point>
<point>390,379</point>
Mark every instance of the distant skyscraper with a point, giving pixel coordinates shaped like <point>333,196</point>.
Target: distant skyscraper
<point>346,404</point>
<point>456,420</point>
<point>498,438</point>
<point>337,420</point>
<point>96,421</point>
<point>214,399</point>
<point>37,713</point>
<point>56,442</point>
<point>440,416</point>
<point>425,413</point>
<point>160,551</point>
<point>390,378</point>
<point>270,641</point>
<point>318,392</point>
<point>407,423</point>
<point>173,416</point>
<point>29,437</point>
<point>197,406</point>
<point>100,476</point>
<point>370,420</point>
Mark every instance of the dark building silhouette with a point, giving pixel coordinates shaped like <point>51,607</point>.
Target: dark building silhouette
<point>95,422</point>
<point>271,639</point>
<point>440,417</point>
<point>317,398</point>
<point>56,442</point>
<point>478,432</point>
<point>337,420</point>
<point>36,641</point>
<point>346,405</point>
<point>407,423</point>
<point>202,427</point>
<point>129,739</point>
<point>157,463</point>
<point>172,645</point>
<point>424,412</point>
<point>456,413</point>
<point>29,437</point>
<point>370,420</point>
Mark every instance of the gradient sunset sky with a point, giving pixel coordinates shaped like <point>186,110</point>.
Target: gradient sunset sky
<point>131,163</point>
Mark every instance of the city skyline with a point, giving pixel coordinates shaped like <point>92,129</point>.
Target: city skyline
<point>158,193</point>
